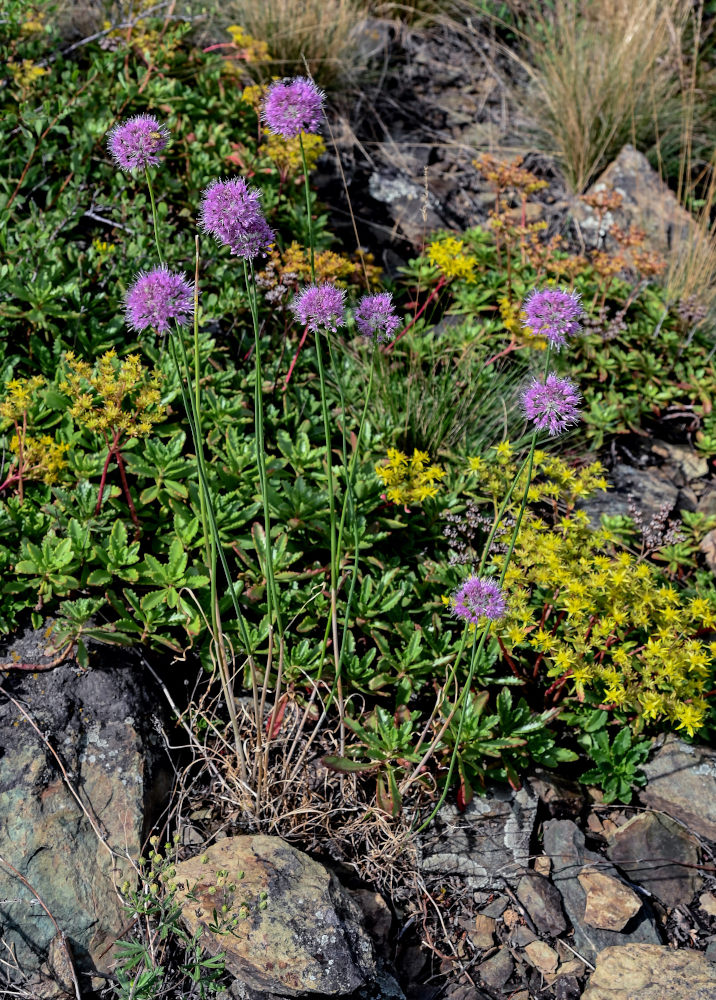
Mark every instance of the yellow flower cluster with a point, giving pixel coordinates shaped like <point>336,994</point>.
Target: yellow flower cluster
<point>42,457</point>
<point>512,317</point>
<point>607,623</point>
<point>253,95</point>
<point>114,396</point>
<point>19,396</point>
<point>286,153</point>
<point>553,480</point>
<point>252,50</point>
<point>25,73</point>
<point>451,258</point>
<point>409,480</point>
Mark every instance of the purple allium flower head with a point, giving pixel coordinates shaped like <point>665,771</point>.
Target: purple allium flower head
<point>554,314</point>
<point>137,143</point>
<point>552,405</point>
<point>293,106</point>
<point>375,317</point>
<point>479,597</point>
<point>319,307</point>
<point>157,297</point>
<point>230,211</point>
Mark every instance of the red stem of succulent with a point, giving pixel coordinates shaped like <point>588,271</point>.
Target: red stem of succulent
<point>295,359</point>
<point>435,292</point>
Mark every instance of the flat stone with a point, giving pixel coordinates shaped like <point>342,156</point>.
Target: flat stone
<point>655,851</point>
<point>495,971</point>
<point>690,462</point>
<point>482,934</point>
<point>651,972</point>
<point>543,903</point>
<point>564,843</point>
<point>542,865</point>
<point>307,941</point>
<point>564,799</point>
<point>102,724</point>
<point>681,781</point>
<point>542,957</point>
<point>487,844</point>
<point>610,904</point>
<point>650,487</point>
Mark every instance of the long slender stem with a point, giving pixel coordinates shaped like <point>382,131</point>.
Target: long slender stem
<point>154,214</point>
<point>272,600</point>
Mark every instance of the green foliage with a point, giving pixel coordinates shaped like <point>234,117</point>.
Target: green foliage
<point>617,763</point>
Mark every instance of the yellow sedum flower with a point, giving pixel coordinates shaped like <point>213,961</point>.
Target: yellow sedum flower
<point>409,480</point>
<point>451,258</point>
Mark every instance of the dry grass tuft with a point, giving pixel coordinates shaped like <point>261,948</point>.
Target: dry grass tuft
<point>313,33</point>
<point>602,73</point>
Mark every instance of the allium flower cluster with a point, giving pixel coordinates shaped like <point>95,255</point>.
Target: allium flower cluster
<point>231,213</point>
<point>479,597</point>
<point>137,143</point>
<point>375,317</point>
<point>319,307</point>
<point>293,106</point>
<point>157,298</point>
<point>554,314</point>
<point>552,405</point>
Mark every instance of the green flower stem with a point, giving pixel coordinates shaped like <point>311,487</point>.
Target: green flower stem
<point>154,214</point>
<point>326,421</point>
<point>272,599</point>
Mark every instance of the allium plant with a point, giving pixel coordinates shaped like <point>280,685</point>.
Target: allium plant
<point>293,106</point>
<point>320,307</point>
<point>231,213</point>
<point>157,298</point>
<point>552,405</point>
<point>137,143</point>
<point>479,598</point>
<point>554,314</point>
<point>376,319</point>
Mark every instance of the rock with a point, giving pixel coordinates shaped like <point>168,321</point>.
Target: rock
<point>690,463</point>
<point>707,545</point>
<point>644,847</point>
<point>542,957</point>
<point>103,724</point>
<point>707,501</point>
<point>710,952</point>
<point>521,935</point>
<point>483,934</point>
<point>308,940</point>
<point>564,799</point>
<point>610,903</point>
<point>651,972</point>
<point>564,843</point>
<point>495,971</point>
<point>377,918</point>
<point>496,908</point>
<point>543,903</point>
<point>406,201</point>
<point>707,902</point>
<point>681,781</point>
<point>647,204</point>
<point>370,37</point>
<point>651,489</point>
<point>486,844</point>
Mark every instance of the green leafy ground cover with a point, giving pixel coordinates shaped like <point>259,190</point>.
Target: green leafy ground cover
<point>100,512</point>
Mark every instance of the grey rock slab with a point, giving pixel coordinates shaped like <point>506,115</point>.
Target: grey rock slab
<point>496,970</point>
<point>657,853</point>
<point>488,844</point>
<point>102,724</point>
<point>543,902</point>
<point>681,781</point>
<point>564,843</point>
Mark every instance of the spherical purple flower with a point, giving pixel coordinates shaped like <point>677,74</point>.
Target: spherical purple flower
<point>554,314</point>
<point>157,297</point>
<point>479,597</point>
<point>552,405</point>
<point>375,317</point>
<point>293,106</point>
<point>230,211</point>
<point>137,143</point>
<point>319,307</point>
